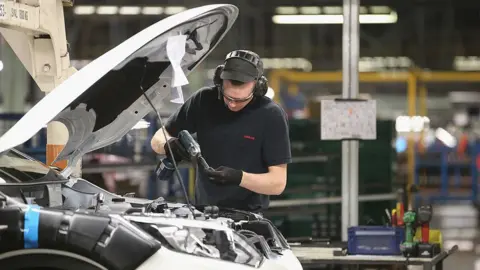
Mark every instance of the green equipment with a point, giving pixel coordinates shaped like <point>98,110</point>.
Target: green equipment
<point>409,247</point>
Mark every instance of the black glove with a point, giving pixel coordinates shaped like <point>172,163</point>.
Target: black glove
<point>225,176</point>
<point>178,151</point>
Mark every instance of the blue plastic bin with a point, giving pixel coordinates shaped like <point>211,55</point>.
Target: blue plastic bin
<point>375,240</point>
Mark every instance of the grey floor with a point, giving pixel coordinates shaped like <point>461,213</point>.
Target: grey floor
<point>458,261</point>
<point>462,261</point>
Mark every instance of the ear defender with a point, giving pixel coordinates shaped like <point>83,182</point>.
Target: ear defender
<point>217,80</point>
<point>261,84</point>
<point>261,87</point>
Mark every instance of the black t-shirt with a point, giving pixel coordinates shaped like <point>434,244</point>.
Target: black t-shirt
<point>250,140</point>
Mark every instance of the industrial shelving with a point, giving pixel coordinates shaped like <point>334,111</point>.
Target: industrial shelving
<point>441,174</point>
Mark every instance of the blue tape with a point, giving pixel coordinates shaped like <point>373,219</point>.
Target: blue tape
<point>30,229</point>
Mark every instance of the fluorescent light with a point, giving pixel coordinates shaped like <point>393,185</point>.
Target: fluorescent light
<point>287,63</point>
<point>378,18</point>
<point>152,10</point>
<point>416,123</point>
<point>84,10</point>
<point>363,10</point>
<point>467,63</point>
<point>445,137</point>
<point>1,65</point>
<point>334,19</point>
<point>307,19</point>
<point>129,10</point>
<point>174,9</point>
<point>380,9</point>
<point>333,10</point>
<point>310,10</point>
<point>107,10</point>
<point>286,10</point>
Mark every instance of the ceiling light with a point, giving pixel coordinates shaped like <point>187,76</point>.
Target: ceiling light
<point>286,10</point>
<point>152,10</point>
<point>310,10</point>
<point>173,10</point>
<point>380,9</point>
<point>287,63</point>
<point>308,19</point>
<point>333,10</point>
<point>445,137</point>
<point>334,19</point>
<point>107,10</point>
<point>363,10</point>
<point>129,10</point>
<point>467,63</point>
<point>378,18</point>
<point>84,10</point>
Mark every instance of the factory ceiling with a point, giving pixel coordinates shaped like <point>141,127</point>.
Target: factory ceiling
<point>429,32</point>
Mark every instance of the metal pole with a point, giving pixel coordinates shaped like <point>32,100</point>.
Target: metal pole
<point>350,57</point>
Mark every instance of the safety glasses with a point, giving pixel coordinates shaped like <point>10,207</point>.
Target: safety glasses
<point>237,100</point>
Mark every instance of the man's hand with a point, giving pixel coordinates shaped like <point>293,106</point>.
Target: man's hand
<point>225,176</point>
<point>178,151</point>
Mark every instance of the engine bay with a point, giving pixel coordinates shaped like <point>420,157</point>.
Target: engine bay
<point>89,215</point>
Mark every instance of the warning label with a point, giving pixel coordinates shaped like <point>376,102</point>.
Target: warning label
<point>3,14</point>
<point>14,13</point>
<point>19,14</point>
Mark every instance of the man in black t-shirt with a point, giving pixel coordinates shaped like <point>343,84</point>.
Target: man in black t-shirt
<point>242,134</point>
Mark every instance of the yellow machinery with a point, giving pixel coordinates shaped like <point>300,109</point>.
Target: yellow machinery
<point>414,80</point>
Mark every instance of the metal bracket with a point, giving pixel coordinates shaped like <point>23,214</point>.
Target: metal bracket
<point>55,195</point>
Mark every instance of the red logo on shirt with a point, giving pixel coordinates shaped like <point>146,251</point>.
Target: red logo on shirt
<point>249,137</point>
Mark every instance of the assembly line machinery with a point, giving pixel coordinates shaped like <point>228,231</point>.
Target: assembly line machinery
<point>35,30</point>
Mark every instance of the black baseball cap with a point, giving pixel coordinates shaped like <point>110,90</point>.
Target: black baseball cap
<point>238,69</point>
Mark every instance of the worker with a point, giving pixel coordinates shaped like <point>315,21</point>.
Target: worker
<point>242,134</point>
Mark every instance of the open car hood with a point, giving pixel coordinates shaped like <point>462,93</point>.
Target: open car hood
<point>103,101</point>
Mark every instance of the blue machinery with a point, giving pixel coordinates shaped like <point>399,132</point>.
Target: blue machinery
<point>455,177</point>
<point>34,147</point>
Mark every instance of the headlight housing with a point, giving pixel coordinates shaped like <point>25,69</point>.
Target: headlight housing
<point>201,238</point>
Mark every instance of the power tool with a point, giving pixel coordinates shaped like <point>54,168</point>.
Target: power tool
<point>425,248</point>
<point>409,247</point>
<point>193,149</point>
<point>166,169</point>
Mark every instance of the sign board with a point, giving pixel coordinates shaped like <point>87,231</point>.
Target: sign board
<point>348,119</point>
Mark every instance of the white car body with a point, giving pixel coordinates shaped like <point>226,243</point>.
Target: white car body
<point>98,105</point>
<point>167,259</point>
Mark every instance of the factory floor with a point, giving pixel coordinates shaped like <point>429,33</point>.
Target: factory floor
<point>462,261</point>
<point>458,261</point>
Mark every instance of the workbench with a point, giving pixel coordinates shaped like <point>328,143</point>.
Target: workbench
<point>313,257</point>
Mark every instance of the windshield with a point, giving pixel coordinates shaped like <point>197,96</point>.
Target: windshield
<point>17,167</point>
